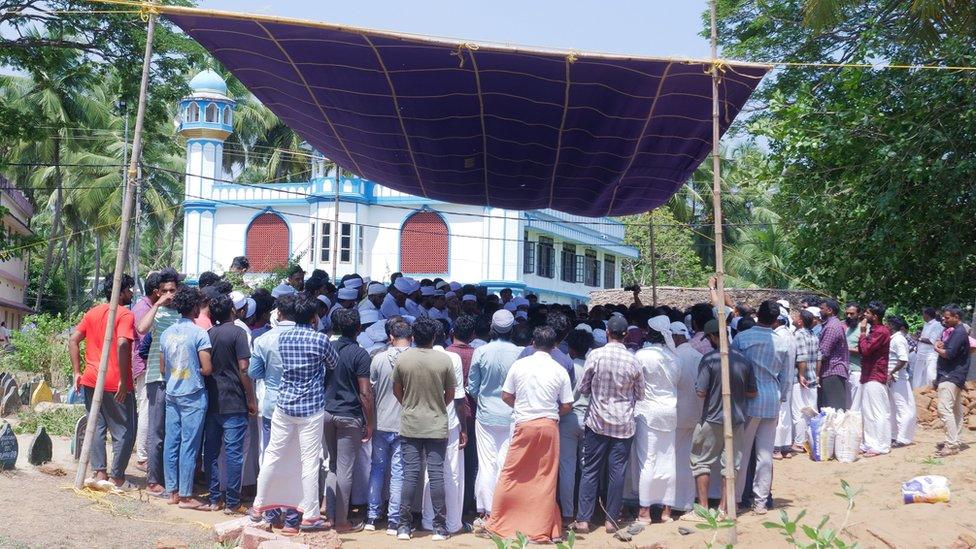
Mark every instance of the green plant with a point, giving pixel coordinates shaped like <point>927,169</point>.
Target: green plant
<point>56,421</point>
<point>713,522</point>
<point>42,349</point>
<point>820,536</point>
<point>277,275</point>
<point>522,542</point>
<point>932,461</point>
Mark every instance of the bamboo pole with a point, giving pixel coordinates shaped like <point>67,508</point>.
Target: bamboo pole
<point>723,334</point>
<point>108,344</point>
<point>650,236</point>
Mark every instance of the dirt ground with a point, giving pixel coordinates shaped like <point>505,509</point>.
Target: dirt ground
<point>38,510</point>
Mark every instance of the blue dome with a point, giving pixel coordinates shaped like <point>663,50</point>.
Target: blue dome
<point>208,81</point>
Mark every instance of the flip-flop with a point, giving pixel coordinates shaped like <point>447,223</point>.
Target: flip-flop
<point>318,525</point>
<point>635,528</point>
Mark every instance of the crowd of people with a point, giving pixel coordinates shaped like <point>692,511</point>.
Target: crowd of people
<point>354,404</point>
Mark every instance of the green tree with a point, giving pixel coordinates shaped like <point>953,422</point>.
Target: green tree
<point>677,263</point>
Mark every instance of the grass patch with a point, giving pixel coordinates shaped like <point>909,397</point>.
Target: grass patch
<point>932,461</point>
<point>57,422</point>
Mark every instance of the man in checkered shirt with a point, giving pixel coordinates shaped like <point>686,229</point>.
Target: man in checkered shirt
<point>289,474</point>
<point>614,381</point>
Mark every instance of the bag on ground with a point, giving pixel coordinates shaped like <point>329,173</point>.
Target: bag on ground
<point>926,489</point>
<point>848,433</point>
<point>820,435</point>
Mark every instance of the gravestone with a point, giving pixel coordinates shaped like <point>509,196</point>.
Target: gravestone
<point>56,397</point>
<point>41,448</point>
<point>4,376</point>
<point>78,440</point>
<point>8,447</point>
<point>42,393</point>
<point>7,383</point>
<point>10,403</point>
<point>25,393</point>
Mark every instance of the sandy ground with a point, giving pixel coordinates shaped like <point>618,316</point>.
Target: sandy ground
<point>37,510</point>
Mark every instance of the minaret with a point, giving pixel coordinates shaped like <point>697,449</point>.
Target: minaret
<point>206,120</point>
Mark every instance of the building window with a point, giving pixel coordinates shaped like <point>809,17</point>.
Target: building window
<point>424,243</point>
<point>528,255</point>
<point>228,115</point>
<point>193,112</point>
<point>345,243</point>
<point>325,246</point>
<point>609,271</point>
<point>568,263</point>
<point>267,243</point>
<point>211,113</point>
<point>360,245</point>
<point>592,265</point>
<point>547,258</point>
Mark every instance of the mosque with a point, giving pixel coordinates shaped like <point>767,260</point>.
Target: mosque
<point>377,230</point>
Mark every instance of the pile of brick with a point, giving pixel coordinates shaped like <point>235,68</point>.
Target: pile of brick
<point>927,402</point>
<point>244,534</point>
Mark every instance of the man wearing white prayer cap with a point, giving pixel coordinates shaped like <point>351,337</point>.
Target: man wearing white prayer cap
<point>656,416</point>
<point>375,294</point>
<point>373,337</point>
<point>347,297</point>
<point>689,412</point>
<point>469,304</point>
<point>325,319</point>
<point>426,300</point>
<point>456,287</point>
<point>396,298</point>
<point>783,441</point>
<point>411,306</point>
<point>244,308</point>
<point>489,367</point>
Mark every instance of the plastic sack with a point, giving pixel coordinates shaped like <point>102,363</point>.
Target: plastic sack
<point>820,435</point>
<point>926,489</point>
<point>848,430</point>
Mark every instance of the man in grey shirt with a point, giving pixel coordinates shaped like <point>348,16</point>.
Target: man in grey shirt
<point>386,438</point>
<point>708,441</point>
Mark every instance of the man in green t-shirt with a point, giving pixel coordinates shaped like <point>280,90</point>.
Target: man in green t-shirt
<point>423,382</point>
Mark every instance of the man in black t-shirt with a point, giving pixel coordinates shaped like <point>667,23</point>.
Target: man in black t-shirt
<point>348,416</point>
<point>708,441</point>
<point>231,399</point>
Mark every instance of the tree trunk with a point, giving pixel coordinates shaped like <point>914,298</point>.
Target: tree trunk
<point>98,264</point>
<point>55,225</point>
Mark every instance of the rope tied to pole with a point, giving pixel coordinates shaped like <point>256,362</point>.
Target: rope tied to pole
<point>459,52</point>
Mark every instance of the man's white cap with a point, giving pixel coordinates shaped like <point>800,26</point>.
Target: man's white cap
<point>784,304</point>
<point>815,311</point>
<point>403,284</point>
<point>282,289</point>
<point>368,316</point>
<point>679,328</point>
<point>469,297</point>
<point>522,314</point>
<point>439,293</point>
<point>585,327</point>
<point>325,301</point>
<point>456,286</point>
<point>449,295</point>
<point>345,294</point>
<point>427,291</point>
<point>354,282</point>
<point>376,289</point>
<point>238,298</point>
<point>662,325</point>
<point>520,302</point>
<point>502,320</point>
<point>440,285</point>
<point>511,305</point>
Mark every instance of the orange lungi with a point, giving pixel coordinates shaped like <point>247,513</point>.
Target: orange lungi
<point>525,495</point>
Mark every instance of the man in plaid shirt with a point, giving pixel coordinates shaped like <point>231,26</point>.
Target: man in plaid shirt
<point>835,358</point>
<point>805,388</point>
<point>613,380</point>
<point>289,475</point>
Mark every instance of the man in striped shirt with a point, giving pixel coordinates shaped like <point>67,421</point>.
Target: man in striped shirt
<point>613,380</point>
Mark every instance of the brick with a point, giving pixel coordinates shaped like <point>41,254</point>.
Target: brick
<point>230,530</point>
<point>267,243</point>
<point>424,244</point>
<point>252,538</point>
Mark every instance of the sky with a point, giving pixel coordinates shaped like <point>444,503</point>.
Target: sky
<point>662,28</point>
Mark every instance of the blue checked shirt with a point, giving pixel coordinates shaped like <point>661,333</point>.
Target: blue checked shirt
<point>808,351</point>
<point>305,355</point>
<point>771,365</point>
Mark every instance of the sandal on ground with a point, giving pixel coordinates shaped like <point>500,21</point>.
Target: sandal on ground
<point>577,527</point>
<point>317,525</point>
<point>796,448</point>
<point>210,507</point>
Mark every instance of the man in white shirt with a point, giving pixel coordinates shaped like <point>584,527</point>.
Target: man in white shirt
<point>689,412</point>
<point>783,442</point>
<point>539,391</point>
<point>375,295</point>
<point>903,415</point>
<point>925,359</point>
<point>657,420</point>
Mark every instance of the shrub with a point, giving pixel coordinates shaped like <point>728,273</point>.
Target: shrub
<point>56,421</point>
<point>43,349</point>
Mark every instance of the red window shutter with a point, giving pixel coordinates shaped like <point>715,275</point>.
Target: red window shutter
<point>267,243</point>
<point>424,244</point>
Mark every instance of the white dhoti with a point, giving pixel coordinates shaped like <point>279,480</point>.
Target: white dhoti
<point>903,418</point>
<point>290,473</point>
<point>923,373</point>
<point>492,441</point>
<point>802,398</point>
<point>784,423</point>
<point>453,486</point>
<point>655,458</point>
<point>142,415</point>
<point>854,386</point>
<point>684,482</point>
<point>875,407</point>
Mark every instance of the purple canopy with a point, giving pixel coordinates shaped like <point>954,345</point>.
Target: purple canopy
<point>586,134</point>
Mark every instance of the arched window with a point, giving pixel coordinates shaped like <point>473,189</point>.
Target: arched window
<point>227,115</point>
<point>212,113</point>
<point>193,113</point>
<point>424,244</point>
<point>267,243</point>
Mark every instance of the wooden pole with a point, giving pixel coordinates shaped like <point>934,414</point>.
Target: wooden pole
<point>730,492</point>
<point>108,344</point>
<point>650,236</point>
